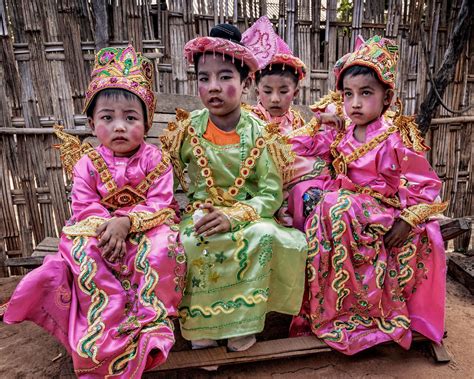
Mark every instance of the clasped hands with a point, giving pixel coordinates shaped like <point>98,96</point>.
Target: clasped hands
<point>112,236</point>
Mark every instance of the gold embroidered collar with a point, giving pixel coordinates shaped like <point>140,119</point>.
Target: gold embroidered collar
<point>217,195</point>
<point>127,195</point>
<point>341,161</point>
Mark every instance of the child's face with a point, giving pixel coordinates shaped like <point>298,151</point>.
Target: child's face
<point>219,85</point>
<point>276,93</point>
<point>119,124</point>
<point>364,98</point>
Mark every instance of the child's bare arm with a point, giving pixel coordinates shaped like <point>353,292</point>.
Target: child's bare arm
<point>398,234</point>
<point>213,222</point>
<point>112,235</point>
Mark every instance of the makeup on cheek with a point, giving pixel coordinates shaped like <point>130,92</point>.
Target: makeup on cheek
<point>231,92</point>
<point>202,91</point>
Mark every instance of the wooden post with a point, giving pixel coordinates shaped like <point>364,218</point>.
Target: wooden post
<point>331,38</point>
<point>290,24</point>
<point>357,16</point>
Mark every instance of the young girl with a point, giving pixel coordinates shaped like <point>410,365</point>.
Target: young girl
<point>376,268</point>
<point>242,264</point>
<point>276,86</point>
<point>108,293</point>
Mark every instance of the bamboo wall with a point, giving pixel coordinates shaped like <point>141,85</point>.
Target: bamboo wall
<point>48,49</point>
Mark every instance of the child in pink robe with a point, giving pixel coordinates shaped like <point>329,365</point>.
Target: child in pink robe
<point>109,293</point>
<point>376,268</point>
<point>276,87</point>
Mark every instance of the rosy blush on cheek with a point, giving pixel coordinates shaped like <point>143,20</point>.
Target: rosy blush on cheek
<point>137,132</point>
<point>230,92</point>
<point>101,134</point>
<point>202,91</point>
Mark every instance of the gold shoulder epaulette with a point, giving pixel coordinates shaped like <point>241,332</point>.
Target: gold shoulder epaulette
<point>409,131</point>
<point>71,149</point>
<point>172,139</point>
<point>281,151</point>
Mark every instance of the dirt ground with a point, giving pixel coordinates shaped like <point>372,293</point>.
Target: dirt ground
<point>26,351</point>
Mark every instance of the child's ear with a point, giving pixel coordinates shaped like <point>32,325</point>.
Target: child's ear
<point>246,85</point>
<point>387,100</point>
<point>90,122</point>
<point>297,92</point>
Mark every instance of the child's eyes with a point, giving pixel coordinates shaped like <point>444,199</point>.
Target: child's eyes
<point>203,79</point>
<point>366,93</point>
<point>347,94</point>
<point>226,77</point>
<point>106,118</point>
<point>132,118</point>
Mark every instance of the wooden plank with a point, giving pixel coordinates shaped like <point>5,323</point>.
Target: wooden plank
<point>451,228</point>
<point>23,262</point>
<point>48,244</point>
<point>440,353</point>
<point>265,350</point>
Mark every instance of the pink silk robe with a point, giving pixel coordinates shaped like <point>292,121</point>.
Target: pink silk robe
<point>112,318</point>
<point>309,170</point>
<point>359,293</point>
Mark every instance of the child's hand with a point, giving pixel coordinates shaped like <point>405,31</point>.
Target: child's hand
<point>213,222</point>
<point>112,235</point>
<point>398,234</point>
<point>332,119</point>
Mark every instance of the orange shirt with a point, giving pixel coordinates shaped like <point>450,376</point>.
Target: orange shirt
<point>220,137</point>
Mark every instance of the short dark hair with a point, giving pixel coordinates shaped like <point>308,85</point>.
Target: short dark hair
<point>360,70</point>
<point>277,69</point>
<point>242,68</point>
<point>115,93</point>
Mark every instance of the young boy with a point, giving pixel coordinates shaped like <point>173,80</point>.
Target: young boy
<point>377,264</point>
<point>276,83</point>
<point>242,264</point>
<point>108,293</point>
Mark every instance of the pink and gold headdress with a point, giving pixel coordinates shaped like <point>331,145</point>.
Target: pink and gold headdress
<point>224,40</point>
<point>269,48</point>
<point>377,53</point>
<point>124,68</point>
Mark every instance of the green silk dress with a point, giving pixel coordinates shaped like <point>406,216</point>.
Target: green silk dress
<point>234,278</point>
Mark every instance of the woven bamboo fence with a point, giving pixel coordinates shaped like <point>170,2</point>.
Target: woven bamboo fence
<point>47,51</point>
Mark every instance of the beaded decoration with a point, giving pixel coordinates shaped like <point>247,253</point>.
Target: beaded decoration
<point>218,196</point>
<point>216,45</point>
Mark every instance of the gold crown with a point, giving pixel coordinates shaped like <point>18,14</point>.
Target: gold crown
<point>123,68</point>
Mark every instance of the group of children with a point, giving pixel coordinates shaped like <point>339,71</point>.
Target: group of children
<point>328,220</point>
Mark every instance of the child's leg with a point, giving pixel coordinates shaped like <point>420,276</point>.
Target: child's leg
<point>203,344</point>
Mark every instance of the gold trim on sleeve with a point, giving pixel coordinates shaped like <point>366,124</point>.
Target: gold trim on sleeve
<point>419,213</point>
<point>143,221</point>
<point>239,213</point>
<point>86,227</point>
